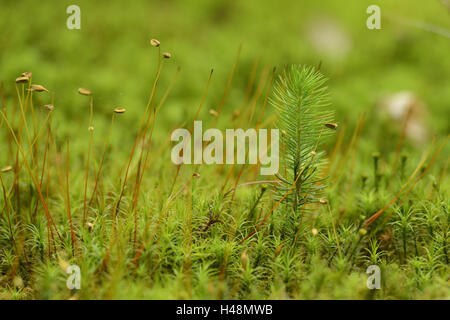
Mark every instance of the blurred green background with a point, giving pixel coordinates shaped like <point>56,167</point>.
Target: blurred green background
<point>111,54</point>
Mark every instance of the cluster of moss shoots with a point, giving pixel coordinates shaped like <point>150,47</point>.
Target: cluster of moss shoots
<point>146,228</point>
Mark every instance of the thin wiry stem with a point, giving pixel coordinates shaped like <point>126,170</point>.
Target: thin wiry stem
<point>91,132</point>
